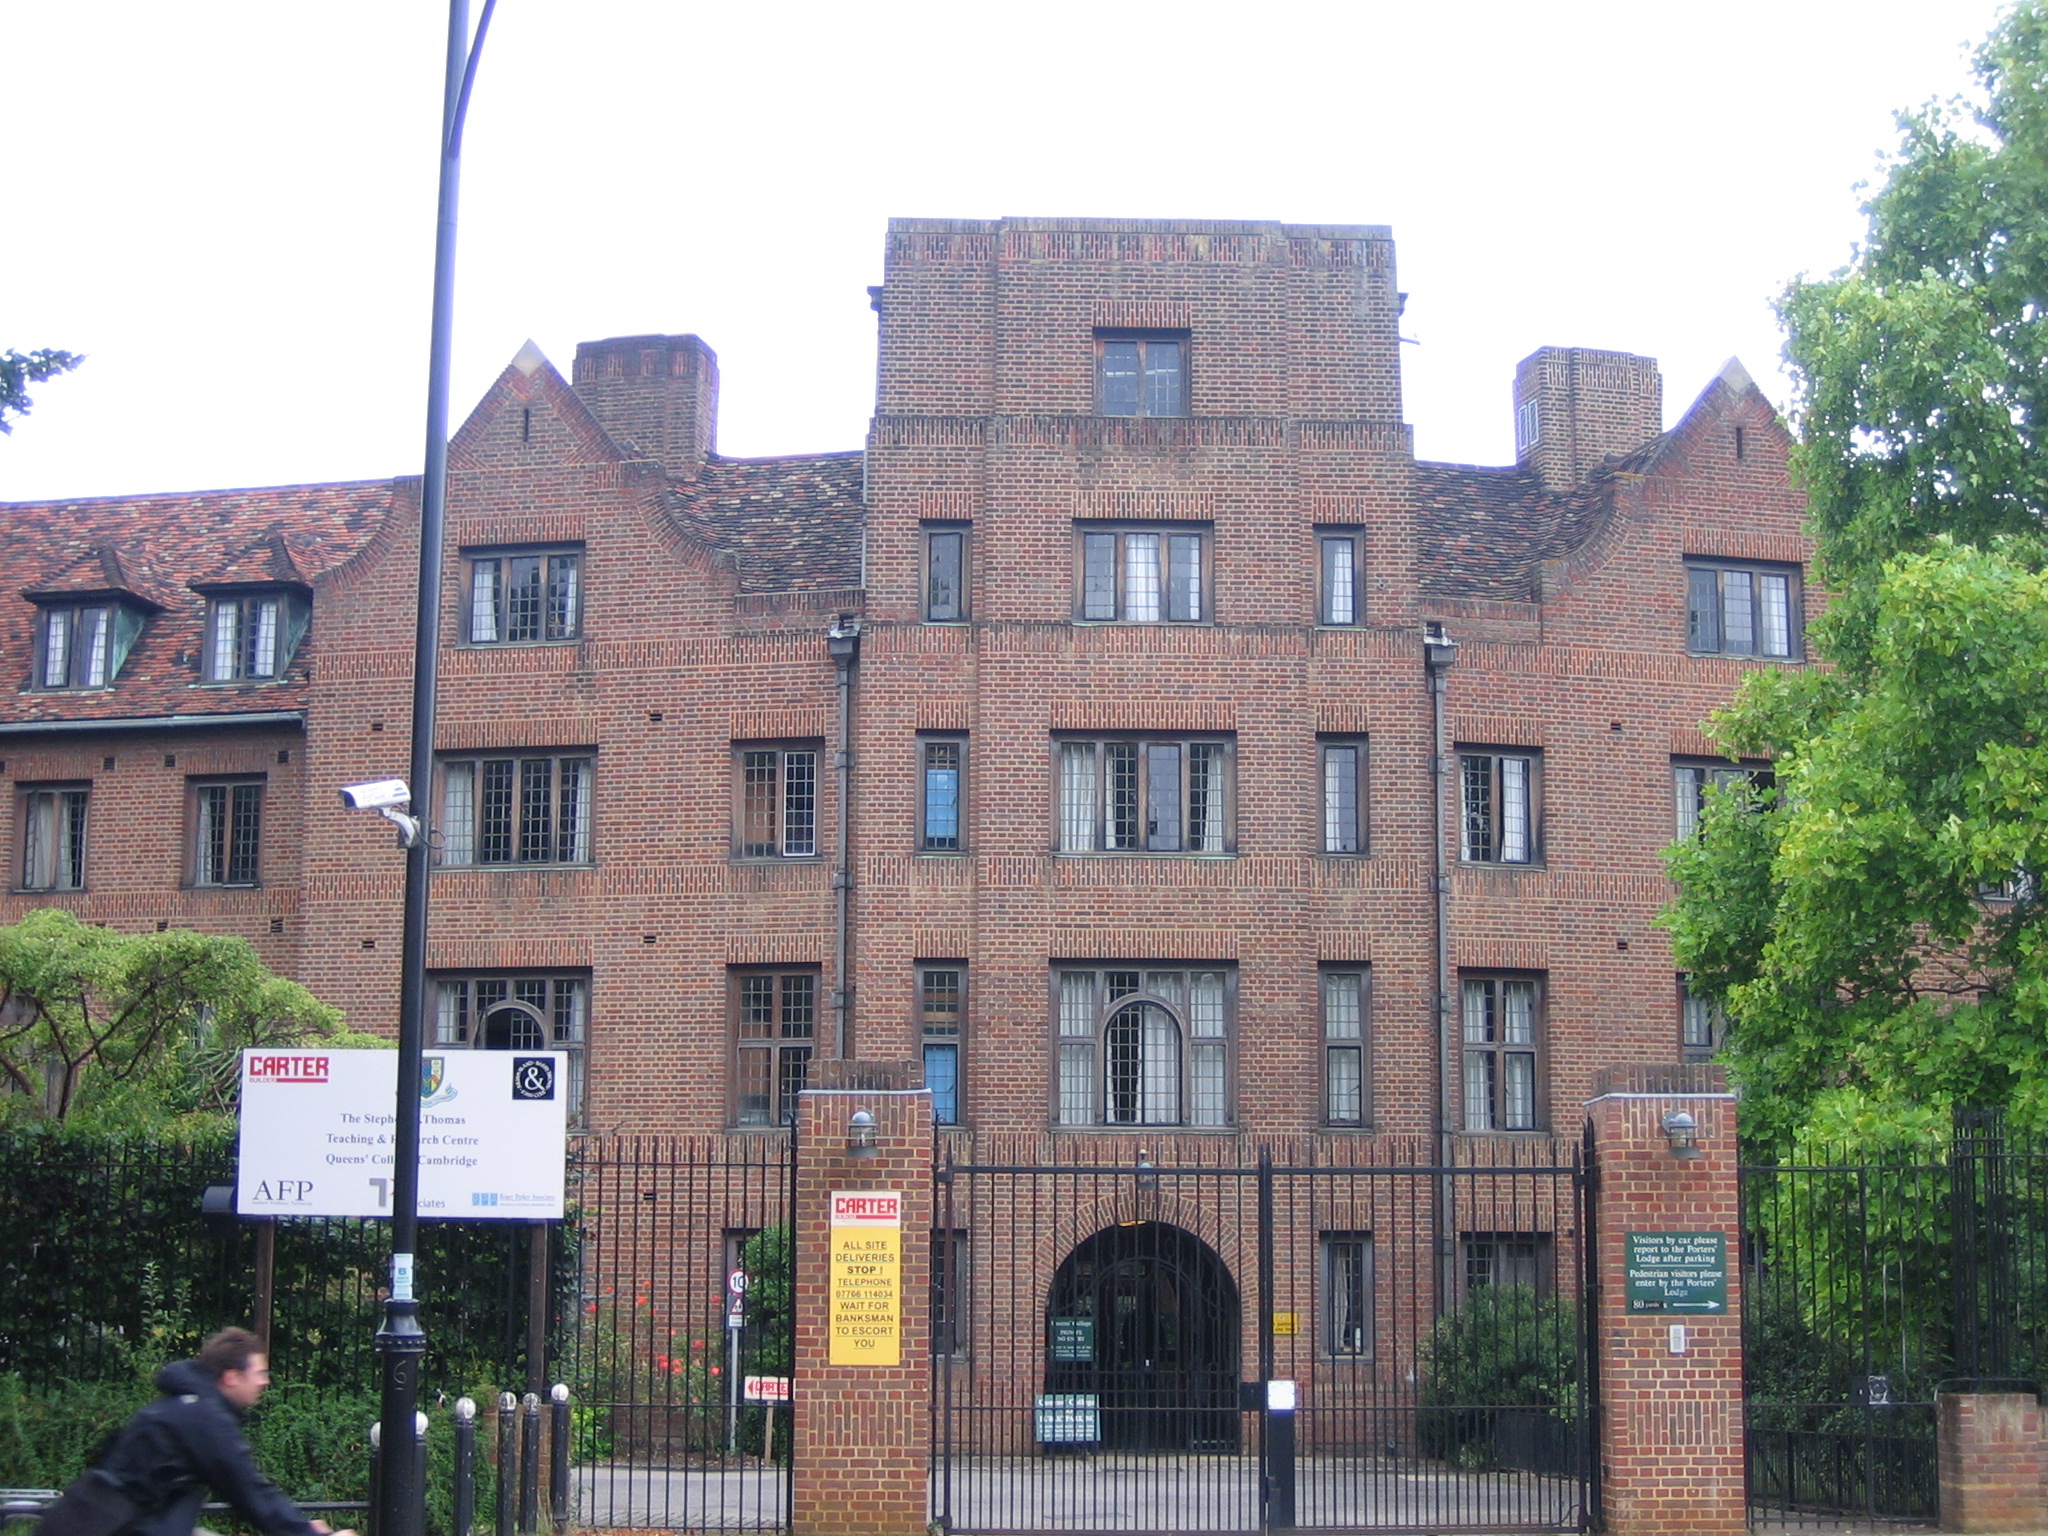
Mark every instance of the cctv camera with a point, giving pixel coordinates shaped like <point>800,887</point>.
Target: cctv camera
<point>380,795</point>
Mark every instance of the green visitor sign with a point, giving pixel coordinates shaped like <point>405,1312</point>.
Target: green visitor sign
<point>1678,1272</point>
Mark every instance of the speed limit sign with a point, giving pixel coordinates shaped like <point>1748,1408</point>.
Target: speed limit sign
<point>736,1282</point>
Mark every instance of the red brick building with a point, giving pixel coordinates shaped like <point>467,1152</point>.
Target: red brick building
<point>1130,811</point>
<point>1134,733</point>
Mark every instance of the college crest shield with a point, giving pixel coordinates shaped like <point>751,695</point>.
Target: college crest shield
<point>432,1070</point>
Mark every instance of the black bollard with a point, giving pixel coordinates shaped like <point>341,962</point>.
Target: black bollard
<point>529,1464</point>
<point>465,1466</point>
<point>508,1460</point>
<point>419,1466</point>
<point>558,1457</point>
<point>376,1481</point>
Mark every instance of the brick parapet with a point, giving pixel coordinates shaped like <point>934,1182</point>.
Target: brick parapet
<point>1671,1431</point>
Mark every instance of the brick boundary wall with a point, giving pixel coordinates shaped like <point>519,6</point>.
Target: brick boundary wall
<point>1993,1461</point>
<point>1671,1432</point>
<point>863,1433</point>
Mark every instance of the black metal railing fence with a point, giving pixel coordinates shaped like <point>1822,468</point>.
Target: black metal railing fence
<point>1873,1278</point>
<point>664,1346</point>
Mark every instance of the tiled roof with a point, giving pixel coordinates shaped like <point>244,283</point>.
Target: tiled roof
<point>155,545</point>
<point>266,562</point>
<point>794,524</point>
<point>1483,532</point>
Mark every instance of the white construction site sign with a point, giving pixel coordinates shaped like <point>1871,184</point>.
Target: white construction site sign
<point>318,1129</point>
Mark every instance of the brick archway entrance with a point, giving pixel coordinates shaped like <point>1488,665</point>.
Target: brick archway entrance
<point>1144,1316</point>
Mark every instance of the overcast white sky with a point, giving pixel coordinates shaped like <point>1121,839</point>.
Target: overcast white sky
<point>228,204</point>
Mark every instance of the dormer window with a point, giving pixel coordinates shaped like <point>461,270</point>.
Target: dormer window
<point>82,645</point>
<point>250,636</point>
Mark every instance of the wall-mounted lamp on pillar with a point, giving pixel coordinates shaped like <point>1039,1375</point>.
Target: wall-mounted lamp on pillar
<point>1439,650</point>
<point>861,1135</point>
<point>1148,1176</point>
<point>1683,1132</point>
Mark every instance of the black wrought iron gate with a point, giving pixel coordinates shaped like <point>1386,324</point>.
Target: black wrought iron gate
<point>1185,1334</point>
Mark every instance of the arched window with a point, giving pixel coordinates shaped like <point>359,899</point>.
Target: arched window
<point>1143,1047</point>
<point>516,1013</point>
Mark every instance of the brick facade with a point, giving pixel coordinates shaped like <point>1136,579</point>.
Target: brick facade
<point>694,702</point>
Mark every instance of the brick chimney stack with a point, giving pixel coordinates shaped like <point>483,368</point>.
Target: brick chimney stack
<point>1575,407</point>
<point>658,394</point>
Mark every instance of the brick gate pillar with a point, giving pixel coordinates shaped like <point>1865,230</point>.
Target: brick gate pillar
<point>1671,1430</point>
<point>1993,1460</point>
<point>863,1429</point>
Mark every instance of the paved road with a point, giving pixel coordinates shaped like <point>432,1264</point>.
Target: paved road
<point>1106,1492</point>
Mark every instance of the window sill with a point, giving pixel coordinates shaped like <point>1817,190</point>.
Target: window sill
<point>514,645</point>
<point>1157,1128</point>
<point>237,682</point>
<point>1080,623</point>
<point>1776,661</point>
<point>1136,853</point>
<point>49,890</point>
<point>1538,864</point>
<point>253,885</point>
<point>506,869</point>
<point>1529,1135</point>
<point>759,860</point>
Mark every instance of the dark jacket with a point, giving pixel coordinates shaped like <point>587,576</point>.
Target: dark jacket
<point>188,1441</point>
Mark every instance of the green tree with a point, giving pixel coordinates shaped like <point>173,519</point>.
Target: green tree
<point>18,370</point>
<point>1875,926</point>
<point>140,1030</point>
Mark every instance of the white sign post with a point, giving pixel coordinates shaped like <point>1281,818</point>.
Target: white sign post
<point>317,1131</point>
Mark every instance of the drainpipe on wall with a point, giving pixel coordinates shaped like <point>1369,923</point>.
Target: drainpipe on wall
<point>842,644</point>
<point>1439,655</point>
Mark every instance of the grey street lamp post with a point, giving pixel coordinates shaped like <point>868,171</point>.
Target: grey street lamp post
<point>401,1343</point>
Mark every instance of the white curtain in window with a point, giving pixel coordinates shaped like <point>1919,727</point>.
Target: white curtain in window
<point>1207,1068</point>
<point>56,648</point>
<point>94,623</point>
<point>1686,784</point>
<point>1077,1083</point>
<point>1161,1070</point>
<point>1339,601</point>
<point>1479,1090</point>
<point>1518,1012</point>
<point>483,601</point>
<point>574,826</point>
<point>1077,797</point>
<point>458,813</point>
<point>1774,614</point>
<point>1518,1101</point>
<point>1514,810</point>
<point>1738,612</point>
<point>263,647</point>
<point>227,639</point>
<point>39,842</point>
<point>1141,578</point>
<point>448,1020</point>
